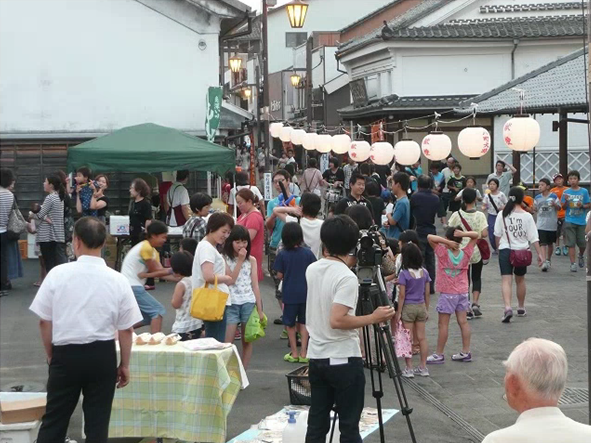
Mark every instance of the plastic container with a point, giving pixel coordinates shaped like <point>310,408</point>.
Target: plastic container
<point>20,432</point>
<point>292,432</point>
<point>299,387</point>
<point>119,225</point>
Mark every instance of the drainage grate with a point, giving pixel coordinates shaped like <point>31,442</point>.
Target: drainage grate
<point>574,396</point>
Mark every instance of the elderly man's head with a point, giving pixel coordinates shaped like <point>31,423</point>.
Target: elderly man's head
<point>536,374</point>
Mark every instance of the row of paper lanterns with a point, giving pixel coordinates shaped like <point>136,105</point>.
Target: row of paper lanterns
<point>520,133</point>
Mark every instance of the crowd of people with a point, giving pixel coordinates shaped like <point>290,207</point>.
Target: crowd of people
<point>310,255</point>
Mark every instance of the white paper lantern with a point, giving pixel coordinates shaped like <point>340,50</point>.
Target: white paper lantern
<point>309,141</point>
<point>285,134</point>
<point>521,133</point>
<point>297,136</point>
<point>275,129</point>
<point>474,142</point>
<point>381,153</point>
<point>436,146</point>
<point>341,143</point>
<point>407,152</point>
<point>323,143</point>
<point>359,150</point>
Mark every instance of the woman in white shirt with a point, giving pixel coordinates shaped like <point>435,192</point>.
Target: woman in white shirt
<point>515,230</point>
<point>209,265</point>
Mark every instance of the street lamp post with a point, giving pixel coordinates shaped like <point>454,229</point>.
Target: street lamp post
<point>296,13</point>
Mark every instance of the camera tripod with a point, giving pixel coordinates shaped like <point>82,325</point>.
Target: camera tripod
<point>372,294</point>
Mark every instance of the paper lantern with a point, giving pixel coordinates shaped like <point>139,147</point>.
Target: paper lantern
<point>381,153</point>
<point>521,133</point>
<point>341,143</point>
<point>309,141</point>
<point>436,146</point>
<point>323,143</point>
<point>297,136</point>
<point>275,129</point>
<point>285,134</point>
<point>407,152</point>
<point>359,150</point>
<point>474,142</point>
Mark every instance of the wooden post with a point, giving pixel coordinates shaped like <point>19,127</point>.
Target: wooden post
<point>562,143</point>
<point>517,165</point>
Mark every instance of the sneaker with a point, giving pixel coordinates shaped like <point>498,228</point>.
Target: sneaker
<point>565,251</point>
<point>238,334</point>
<point>581,261</point>
<point>436,359</point>
<point>408,373</point>
<point>557,251</point>
<point>284,335</point>
<point>278,321</point>
<point>507,316</point>
<point>461,356</point>
<point>573,267</point>
<point>495,252</point>
<point>469,315</point>
<point>476,310</point>
<point>69,440</point>
<point>149,287</point>
<point>546,266</point>
<point>422,372</point>
<point>521,312</point>
<point>304,360</point>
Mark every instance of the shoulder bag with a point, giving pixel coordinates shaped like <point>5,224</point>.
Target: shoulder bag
<point>492,202</point>
<point>519,258</point>
<point>179,215</point>
<point>207,303</point>
<point>16,223</point>
<point>482,244</point>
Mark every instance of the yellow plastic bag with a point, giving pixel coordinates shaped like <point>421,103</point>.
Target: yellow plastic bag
<point>207,303</point>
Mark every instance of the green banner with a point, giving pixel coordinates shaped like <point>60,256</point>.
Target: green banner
<point>214,112</point>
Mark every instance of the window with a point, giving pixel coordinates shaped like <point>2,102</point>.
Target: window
<point>372,86</point>
<point>295,39</point>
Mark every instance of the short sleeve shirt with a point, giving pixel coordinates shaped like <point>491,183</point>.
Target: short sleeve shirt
<point>401,214</point>
<point>276,236</point>
<point>452,275</point>
<point>134,262</point>
<point>234,191</point>
<point>177,196</point>
<point>559,191</point>
<point>332,177</point>
<point>500,200</point>
<point>414,292</point>
<point>504,181</point>
<point>139,212</point>
<point>206,253</point>
<point>547,211</point>
<point>477,221</point>
<point>254,220</point>
<point>520,226</point>
<point>292,263</point>
<point>575,213</point>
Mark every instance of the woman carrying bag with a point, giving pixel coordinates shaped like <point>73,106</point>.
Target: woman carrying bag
<point>210,267</point>
<point>515,231</point>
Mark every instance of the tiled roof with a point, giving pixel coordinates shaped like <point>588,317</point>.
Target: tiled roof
<point>505,28</point>
<point>394,102</point>
<point>488,9</point>
<point>424,8</point>
<point>255,28</point>
<point>560,84</point>
<point>371,14</point>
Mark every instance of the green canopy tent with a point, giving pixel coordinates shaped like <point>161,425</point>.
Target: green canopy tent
<point>151,148</point>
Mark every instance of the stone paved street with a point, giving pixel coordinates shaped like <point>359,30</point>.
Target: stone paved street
<point>473,392</point>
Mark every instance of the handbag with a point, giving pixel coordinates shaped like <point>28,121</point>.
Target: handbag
<point>207,303</point>
<point>482,244</point>
<point>402,341</point>
<point>16,223</point>
<point>520,258</point>
<point>179,215</point>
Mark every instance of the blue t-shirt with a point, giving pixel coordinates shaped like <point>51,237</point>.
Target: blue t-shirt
<point>415,173</point>
<point>400,213</point>
<point>438,179</point>
<point>575,214</point>
<point>276,236</point>
<point>292,263</point>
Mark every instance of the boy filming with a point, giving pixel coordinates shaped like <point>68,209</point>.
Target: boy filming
<point>336,368</point>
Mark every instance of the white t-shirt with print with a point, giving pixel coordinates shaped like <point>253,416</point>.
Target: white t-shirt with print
<point>330,281</point>
<point>522,229</point>
<point>206,253</point>
<point>184,321</point>
<point>177,195</point>
<point>134,262</point>
<point>500,200</point>
<point>311,230</point>
<point>241,292</point>
<point>477,221</point>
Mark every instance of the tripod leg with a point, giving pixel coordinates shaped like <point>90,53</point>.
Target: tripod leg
<point>334,424</point>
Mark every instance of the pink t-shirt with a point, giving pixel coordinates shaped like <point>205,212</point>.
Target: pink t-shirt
<point>452,271</point>
<point>254,220</point>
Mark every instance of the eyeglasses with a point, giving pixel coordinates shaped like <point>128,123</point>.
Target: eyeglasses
<point>279,181</point>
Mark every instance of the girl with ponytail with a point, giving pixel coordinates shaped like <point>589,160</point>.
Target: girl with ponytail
<point>50,229</point>
<point>515,230</point>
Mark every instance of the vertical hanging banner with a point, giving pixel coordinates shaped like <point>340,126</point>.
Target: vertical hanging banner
<point>324,162</point>
<point>208,182</point>
<point>214,112</point>
<point>268,183</point>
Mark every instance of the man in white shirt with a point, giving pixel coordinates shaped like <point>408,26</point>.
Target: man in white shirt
<point>535,378</point>
<point>504,176</point>
<point>176,203</point>
<point>83,305</point>
<point>242,182</point>
<point>336,368</point>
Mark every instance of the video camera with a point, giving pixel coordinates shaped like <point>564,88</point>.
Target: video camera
<point>369,254</point>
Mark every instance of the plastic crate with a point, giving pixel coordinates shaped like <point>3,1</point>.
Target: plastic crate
<point>298,383</point>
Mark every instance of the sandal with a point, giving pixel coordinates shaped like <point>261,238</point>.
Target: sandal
<point>37,283</point>
<point>287,357</point>
<point>304,360</point>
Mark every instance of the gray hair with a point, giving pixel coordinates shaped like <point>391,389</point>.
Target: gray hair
<point>541,365</point>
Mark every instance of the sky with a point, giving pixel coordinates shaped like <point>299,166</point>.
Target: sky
<point>256,4</point>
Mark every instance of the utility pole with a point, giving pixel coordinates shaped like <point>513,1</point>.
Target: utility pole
<point>266,100</point>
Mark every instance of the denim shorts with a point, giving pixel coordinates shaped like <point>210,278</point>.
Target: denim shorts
<point>450,303</point>
<point>149,306</point>
<point>239,313</point>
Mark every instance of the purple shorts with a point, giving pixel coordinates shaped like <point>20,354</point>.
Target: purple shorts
<point>450,303</point>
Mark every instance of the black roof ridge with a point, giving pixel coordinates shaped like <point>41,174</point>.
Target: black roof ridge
<point>532,74</point>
